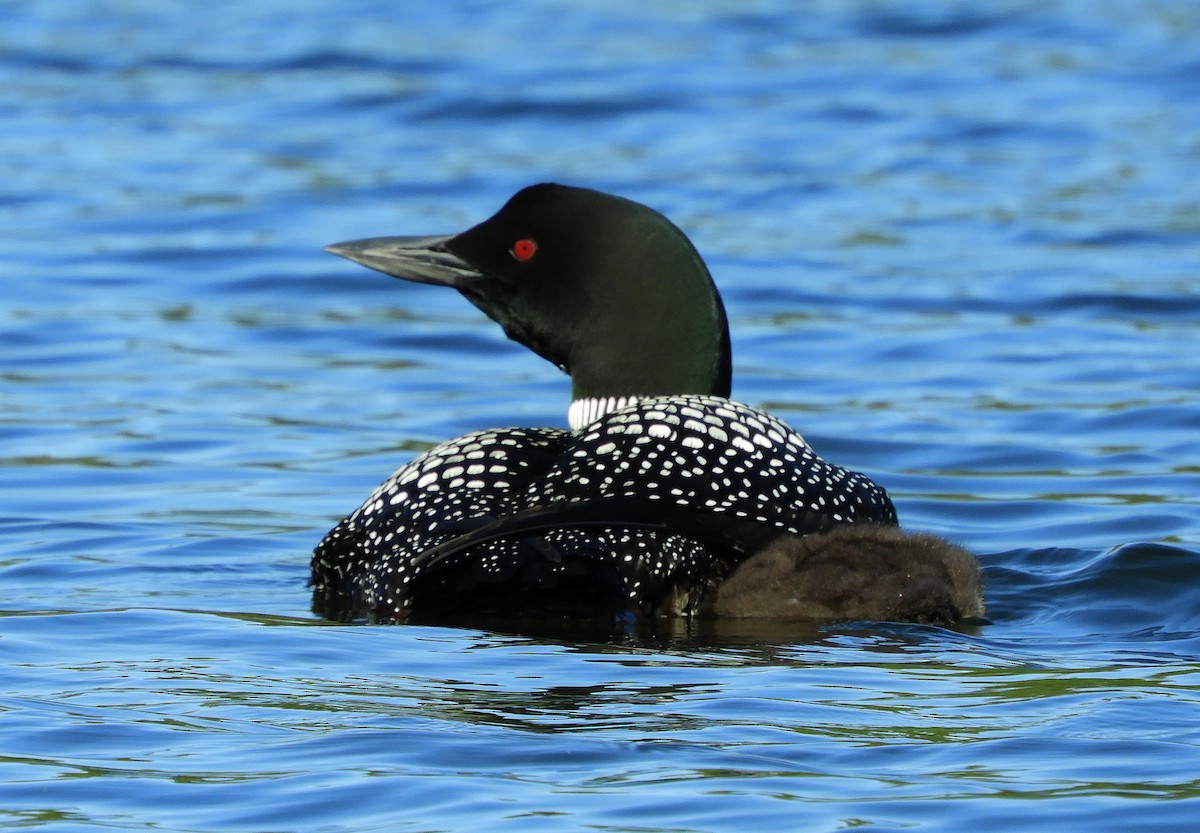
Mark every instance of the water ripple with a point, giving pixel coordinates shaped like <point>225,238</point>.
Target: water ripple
<point>956,254</point>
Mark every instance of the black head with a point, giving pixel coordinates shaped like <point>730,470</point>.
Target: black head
<point>607,289</point>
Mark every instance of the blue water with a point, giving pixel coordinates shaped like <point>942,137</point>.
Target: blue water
<point>960,248</point>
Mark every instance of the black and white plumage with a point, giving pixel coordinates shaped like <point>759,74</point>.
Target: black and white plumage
<point>667,494</point>
<point>662,487</point>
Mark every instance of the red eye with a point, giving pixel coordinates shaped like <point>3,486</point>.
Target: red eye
<point>523,249</point>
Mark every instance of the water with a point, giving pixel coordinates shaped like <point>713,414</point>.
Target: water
<point>959,244</point>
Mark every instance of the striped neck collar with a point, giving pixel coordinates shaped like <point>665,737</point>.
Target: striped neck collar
<point>584,412</point>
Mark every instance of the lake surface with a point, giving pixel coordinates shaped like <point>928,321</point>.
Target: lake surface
<point>959,244</point>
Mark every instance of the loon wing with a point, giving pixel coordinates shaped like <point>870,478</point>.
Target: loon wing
<point>733,535</point>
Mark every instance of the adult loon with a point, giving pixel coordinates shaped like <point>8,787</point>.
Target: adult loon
<point>661,487</point>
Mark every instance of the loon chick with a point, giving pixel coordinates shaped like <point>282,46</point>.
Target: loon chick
<point>663,484</point>
<point>855,572</point>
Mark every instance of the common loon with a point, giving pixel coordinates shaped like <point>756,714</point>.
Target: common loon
<point>661,487</point>
<point>859,571</point>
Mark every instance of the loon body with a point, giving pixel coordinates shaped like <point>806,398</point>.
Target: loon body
<point>661,488</point>
<point>860,571</point>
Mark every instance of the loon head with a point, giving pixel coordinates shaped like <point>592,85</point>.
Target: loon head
<point>607,289</point>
